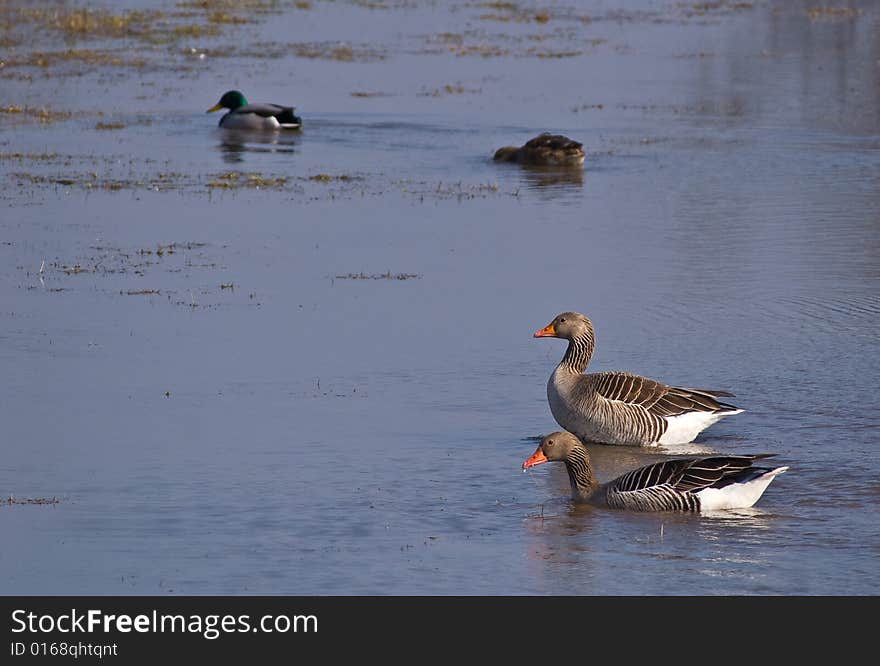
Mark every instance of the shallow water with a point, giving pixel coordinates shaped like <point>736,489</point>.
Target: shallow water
<point>223,399</point>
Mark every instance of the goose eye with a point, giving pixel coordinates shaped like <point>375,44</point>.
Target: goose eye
<point>562,321</point>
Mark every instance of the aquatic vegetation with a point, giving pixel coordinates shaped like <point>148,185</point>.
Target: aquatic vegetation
<point>336,51</point>
<point>449,89</point>
<point>703,7</point>
<point>239,5</point>
<point>510,11</point>
<point>194,30</point>
<point>20,157</point>
<point>110,126</point>
<point>119,272</point>
<point>370,4</point>
<point>150,27</point>
<point>10,500</point>
<point>226,17</point>
<point>38,114</point>
<point>326,177</point>
<point>458,191</point>
<point>93,181</point>
<point>818,13</point>
<point>76,269</point>
<point>717,6</point>
<point>457,44</point>
<point>701,54</point>
<point>85,56</point>
<point>114,260</point>
<point>562,42</point>
<point>538,17</point>
<point>83,23</point>
<point>553,54</point>
<point>388,275</point>
<point>454,38</point>
<point>235,179</point>
<point>501,6</point>
<point>171,248</point>
<point>484,50</point>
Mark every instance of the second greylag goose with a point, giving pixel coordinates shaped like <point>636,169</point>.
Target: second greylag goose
<point>619,407</point>
<point>545,149</point>
<point>681,484</point>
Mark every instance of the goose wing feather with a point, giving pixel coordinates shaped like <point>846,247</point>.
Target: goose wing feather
<point>657,398</point>
<point>685,474</point>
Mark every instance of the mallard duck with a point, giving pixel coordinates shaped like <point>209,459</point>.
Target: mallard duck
<point>254,116</point>
<point>545,149</point>
<point>708,483</point>
<point>619,407</point>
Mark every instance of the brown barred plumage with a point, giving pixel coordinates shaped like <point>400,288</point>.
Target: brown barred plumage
<point>620,407</point>
<point>670,485</point>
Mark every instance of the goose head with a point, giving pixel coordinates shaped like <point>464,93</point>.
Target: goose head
<point>568,326</point>
<point>555,447</point>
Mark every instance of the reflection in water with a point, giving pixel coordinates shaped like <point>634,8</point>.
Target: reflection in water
<point>747,242</point>
<point>567,544</point>
<point>539,177</point>
<point>751,517</point>
<point>579,548</point>
<point>559,539</point>
<point>609,462</point>
<point>235,143</point>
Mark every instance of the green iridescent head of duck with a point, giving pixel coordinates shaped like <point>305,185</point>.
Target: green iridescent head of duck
<point>232,100</point>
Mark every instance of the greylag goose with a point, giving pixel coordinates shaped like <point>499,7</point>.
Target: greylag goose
<point>545,149</point>
<point>619,407</point>
<point>244,116</point>
<point>681,484</point>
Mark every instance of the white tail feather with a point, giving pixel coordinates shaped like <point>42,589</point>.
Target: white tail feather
<point>737,495</point>
<point>685,427</point>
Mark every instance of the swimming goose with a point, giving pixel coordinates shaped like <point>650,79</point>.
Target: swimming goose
<point>246,116</point>
<point>545,149</point>
<point>619,407</point>
<point>681,484</point>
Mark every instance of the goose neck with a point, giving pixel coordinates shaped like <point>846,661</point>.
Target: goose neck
<point>580,473</point>
<point>579,352</point>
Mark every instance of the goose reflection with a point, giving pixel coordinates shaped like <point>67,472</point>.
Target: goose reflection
<point>539,177</point>
<point>235,143</point>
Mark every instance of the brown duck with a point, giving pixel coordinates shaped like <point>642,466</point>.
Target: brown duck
<point>545,149</point>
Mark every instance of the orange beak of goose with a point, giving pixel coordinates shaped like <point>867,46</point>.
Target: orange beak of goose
<point>538,458</point>
<point>547,332</point>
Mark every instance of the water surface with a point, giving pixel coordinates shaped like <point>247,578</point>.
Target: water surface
<point>304,364</point>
